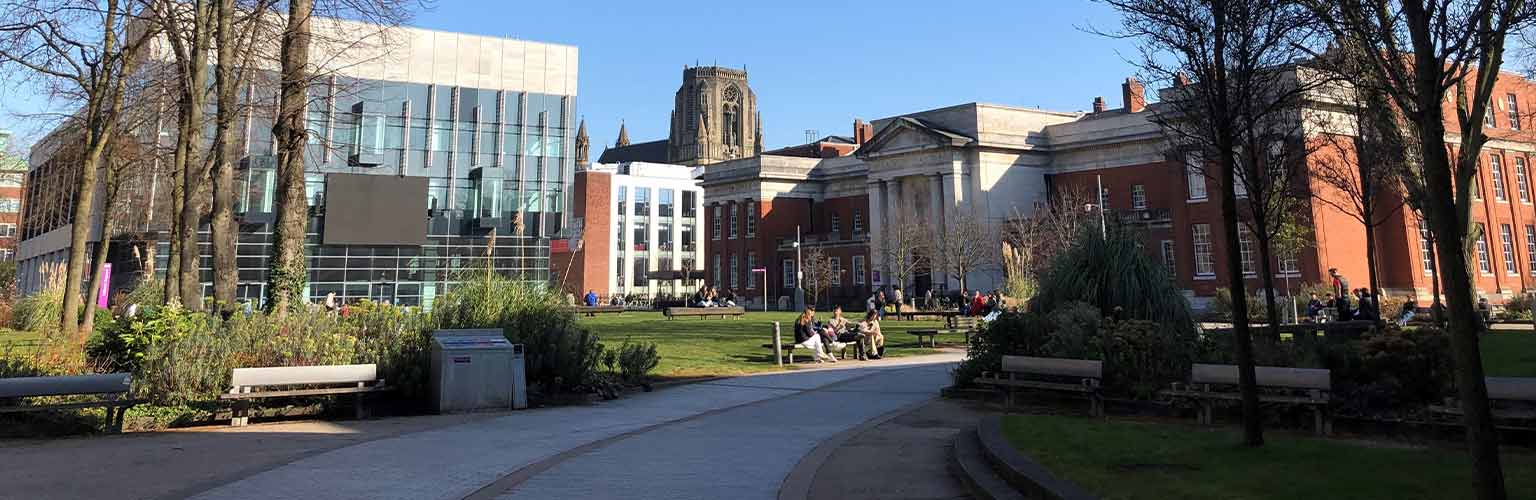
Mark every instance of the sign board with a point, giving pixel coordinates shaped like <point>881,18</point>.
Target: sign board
<point>876,279</point>
<point>106,284</point>
<point>759,269</point>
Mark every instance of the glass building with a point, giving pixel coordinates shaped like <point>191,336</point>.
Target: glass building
<point>494,142</point>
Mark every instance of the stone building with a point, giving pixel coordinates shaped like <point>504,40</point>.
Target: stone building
<point>714,119</point>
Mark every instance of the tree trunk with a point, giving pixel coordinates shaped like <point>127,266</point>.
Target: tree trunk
<point>194,102</point>
<point>286,281</point>
<point>95,137</point>
<point>1267,277</point>
<point>1435,307</point>
<point>172,285</point>
<point>1449,215</point>
<point>222,223</point>
<point>1370,264</point>
<point>88,323</point>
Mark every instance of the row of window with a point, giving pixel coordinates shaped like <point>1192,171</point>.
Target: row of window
<point>1484,260</point>
<point>1496,173</point>
<point>664,202</point>
<point>1204,254</point>
<point>1511,110</point>
<point>786,268</point>
<point>750,207</point>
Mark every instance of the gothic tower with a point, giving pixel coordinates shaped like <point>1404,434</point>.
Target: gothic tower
<point>714,117</point>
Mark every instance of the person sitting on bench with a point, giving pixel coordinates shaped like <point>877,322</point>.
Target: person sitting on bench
<point>806,336</point>
<point>869,333</point>
<point>591,299</point>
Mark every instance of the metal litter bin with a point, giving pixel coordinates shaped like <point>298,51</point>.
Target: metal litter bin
<point>476,369</point>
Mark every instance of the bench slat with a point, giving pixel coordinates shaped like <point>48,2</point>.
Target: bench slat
<point>704,311</point>
<point>305,392</point>
<point>302,375</point>
<point>1512,388</point>
<point>65,385</point>
<point>1054,366</point>
<point>1265,376</point>
<point>104,403</point>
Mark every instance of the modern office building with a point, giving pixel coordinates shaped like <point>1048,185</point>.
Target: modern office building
<point>430,152</point>
<point>642,233</point>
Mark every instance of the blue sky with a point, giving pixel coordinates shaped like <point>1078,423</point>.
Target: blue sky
<point>814,64</point>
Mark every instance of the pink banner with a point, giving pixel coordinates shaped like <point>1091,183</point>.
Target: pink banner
<point>106,284</point>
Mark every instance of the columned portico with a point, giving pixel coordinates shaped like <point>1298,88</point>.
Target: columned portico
<point>876,190</point>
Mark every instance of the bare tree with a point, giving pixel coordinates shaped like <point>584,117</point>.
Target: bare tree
<point>1031,242</point>
<point>819,273</point>
<point>1362,159</point>
<point>965,244</point>
<point>1421,52</point>
<point>289,273</point>
<point>82,52</point>
<point>904,248</point>
<point>1239,54</point>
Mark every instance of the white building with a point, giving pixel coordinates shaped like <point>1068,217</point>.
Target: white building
<point>657,227</point>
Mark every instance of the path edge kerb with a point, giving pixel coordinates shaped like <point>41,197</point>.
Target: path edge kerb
<point>797,485</point>
<point>1025,474</point>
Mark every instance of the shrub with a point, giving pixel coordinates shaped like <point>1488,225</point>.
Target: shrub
<point>560,354</point>
<point>1073,332</point>
<point>1517,308</point>
<point>636,360</point>
<point>122,344</point>
<point>1139,359</point>
<point>40,311</point>
<point>1115,274</point>
<point>1012,333</point>
<point>1397,369</point>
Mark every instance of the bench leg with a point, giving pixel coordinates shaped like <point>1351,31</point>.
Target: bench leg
<point>1095,405</point>
<point>357,400</point>
<point>1204,415</point>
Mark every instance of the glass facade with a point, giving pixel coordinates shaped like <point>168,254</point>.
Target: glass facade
<point>497,165</point>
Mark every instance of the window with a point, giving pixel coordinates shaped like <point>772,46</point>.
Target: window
<point>1138,197</point>
<point>639,267</point>
<point>714,223</point>
<point>837,271</point>
<point>1289,264</point>
<point>1530,247</point>
<point>641,236</point>
<point>664,202</point>
<point>642,201</point>
<point>1245,249</point>
<point>858,269</point>
<point>715,270</point>
<point>688,237</point>
<point>735,271</point>
<point>1104,198</point>
<point>837,225</point>
<point>751,275</point>
<point>1204,265</point>
<point>1507,245</point>
<point>1170,259</point>
<point>1482,251</point>
<point>1522,180</point>
<point>664,237</point>
<point>751,218</point>
<point>789,273</point>
<point>858,221</point>
<point>1477,188</point>
<point>622,191</point>
<point>1194,174</point>
<point>7,230</point>
<point>1426,254</point>
<point>1488,116</point>
<point>690,203</point>
<point>618,267</point>
<point>735,209</point>
<point>9,205</point>
<point>1496,167</point>
<point>1514,111</point>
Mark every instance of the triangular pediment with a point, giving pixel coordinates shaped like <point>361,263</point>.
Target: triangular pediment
<point>910,134</point>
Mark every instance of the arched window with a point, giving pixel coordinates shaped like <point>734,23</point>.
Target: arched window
<point>730,127</point>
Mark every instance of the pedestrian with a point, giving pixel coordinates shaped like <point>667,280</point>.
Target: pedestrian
<point>807,337</point>
<point>896,297</point>
<point>880,303</point>
<point>1340,285</point>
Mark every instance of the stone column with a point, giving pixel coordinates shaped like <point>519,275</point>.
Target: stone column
<point>936,219</point>
<point>876,212</point>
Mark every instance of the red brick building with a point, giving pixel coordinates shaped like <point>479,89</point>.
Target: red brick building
<point>12,171</point>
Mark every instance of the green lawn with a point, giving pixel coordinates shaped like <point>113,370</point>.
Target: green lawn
<point>692,347</point>
<point>1509,353</point>
<point>1122,459</point>
<point>18,340</point>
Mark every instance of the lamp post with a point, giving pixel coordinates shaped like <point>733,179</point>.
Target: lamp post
<point>799,275</point>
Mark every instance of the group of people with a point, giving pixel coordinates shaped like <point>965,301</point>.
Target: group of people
<point>1342,308</point>
<point>712,297</point>
<point>838,334</point>
<point>977,304</point>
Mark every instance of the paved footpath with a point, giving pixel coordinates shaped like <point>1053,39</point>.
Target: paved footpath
<point>734,438</point>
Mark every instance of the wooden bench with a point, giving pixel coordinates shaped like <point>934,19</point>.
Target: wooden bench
<point>703,312</point>
<point>1307,387</point>
<point>1024,372</point>
<point>257,383</point>
<point>965,325</point>
<point>592,311</point>
<point>112,389</point>
<point>912,314</point>
<point>1512,398</point>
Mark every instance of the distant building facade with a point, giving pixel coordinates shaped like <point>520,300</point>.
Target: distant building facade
<point>480,126</point>
<point>641,231</point>
<point>13,170</point>
<point>714,118</point>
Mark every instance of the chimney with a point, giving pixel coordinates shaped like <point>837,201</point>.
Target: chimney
<point>862,132</point>
<point>1098,105</point>
<point>1135,96</point>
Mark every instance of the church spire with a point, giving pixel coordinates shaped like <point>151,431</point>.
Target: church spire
<point>757,140</point>
<point>583,146</point>
<point>623,136</point>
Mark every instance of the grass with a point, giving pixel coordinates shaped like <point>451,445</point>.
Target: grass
<point>1509,353</point>
<point>19,340</point>
<point>691,347</point>
<point>1121,459</point>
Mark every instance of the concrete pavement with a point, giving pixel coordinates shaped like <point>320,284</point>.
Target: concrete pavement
<point>735,437</point>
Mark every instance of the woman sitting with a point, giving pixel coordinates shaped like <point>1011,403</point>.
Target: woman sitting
<point>873,340</point>
<point>806,336</point>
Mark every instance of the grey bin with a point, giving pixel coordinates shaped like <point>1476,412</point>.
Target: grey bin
<point>477,369</point>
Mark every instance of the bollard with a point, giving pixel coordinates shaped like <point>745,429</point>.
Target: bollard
<point>778,346</point>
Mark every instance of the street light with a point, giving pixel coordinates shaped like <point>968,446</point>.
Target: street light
<point>799,275</point>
